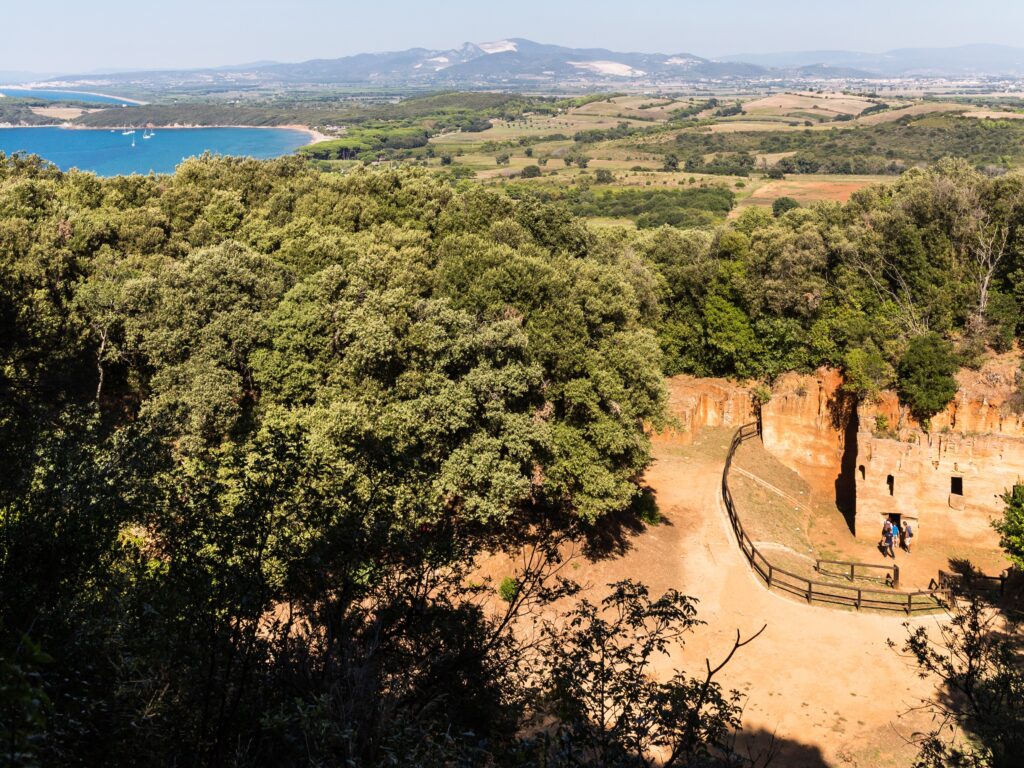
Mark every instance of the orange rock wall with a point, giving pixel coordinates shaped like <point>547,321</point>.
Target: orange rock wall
<point>696,403</point>
<point>922,466</point>
<point>978,438</point>
<point>802,424</point>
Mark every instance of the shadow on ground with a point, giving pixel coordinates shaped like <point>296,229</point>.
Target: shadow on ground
<point>612,535</point>
<point>763,748</point>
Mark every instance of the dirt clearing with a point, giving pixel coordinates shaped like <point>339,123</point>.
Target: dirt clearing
<point>823,680</point>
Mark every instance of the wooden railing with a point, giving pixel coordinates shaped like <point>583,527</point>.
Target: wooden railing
<point>972,581</point>
<point>809,589</point>
<point>849,571</point>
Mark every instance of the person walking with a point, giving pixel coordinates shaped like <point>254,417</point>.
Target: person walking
<point>887,540</point>
<point>908,535</point>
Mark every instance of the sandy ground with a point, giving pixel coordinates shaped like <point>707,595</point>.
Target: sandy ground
<point>822,680</point>
<point>315,137</point>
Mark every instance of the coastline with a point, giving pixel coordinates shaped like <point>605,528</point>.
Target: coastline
<point>52,87</point>
<point>315,136</point>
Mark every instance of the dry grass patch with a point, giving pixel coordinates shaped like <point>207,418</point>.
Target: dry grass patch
<point>994,114</point>
<point>910,111</point>
<point>811,189</point>
<point>59,113</point>
<point>786,103</point>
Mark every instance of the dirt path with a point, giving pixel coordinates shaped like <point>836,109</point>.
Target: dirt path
<point>824,680</point>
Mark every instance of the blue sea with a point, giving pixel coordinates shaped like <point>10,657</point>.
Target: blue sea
<point>110,153</point>
<point>25,93</point>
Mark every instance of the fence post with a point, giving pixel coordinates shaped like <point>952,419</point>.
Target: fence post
<point>851,571</point>
<point>910,602</point>
<point>895,577</point>
<point>810,591</point>
<point>769,575</point>
<point>858,599</point>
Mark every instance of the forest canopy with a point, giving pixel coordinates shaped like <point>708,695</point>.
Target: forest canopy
<point>250,390</point>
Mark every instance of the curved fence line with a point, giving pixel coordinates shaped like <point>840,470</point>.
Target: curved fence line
<point>809,589</point>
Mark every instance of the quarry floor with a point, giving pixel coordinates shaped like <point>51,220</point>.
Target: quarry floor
<point>824,681</point>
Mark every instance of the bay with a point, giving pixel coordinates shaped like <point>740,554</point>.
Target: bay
<point>110,153</point>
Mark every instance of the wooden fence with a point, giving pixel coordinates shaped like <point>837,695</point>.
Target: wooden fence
<point>890,578</point>
<point>809,589</point>
<point>972,581</point>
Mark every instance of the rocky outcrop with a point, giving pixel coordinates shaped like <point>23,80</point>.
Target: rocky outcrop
<point>696,403</point>
<point>988,401</point>
<point>943,481</point>
<point>803,424</point>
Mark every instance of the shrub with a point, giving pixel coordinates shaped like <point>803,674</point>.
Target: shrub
<point>604,176</point>
<point>782,205</point>
<point>925,375</point>
<point>865,371</point>
<point>1011,527</point>
<point>508,589</point>
<point>531,172</point>
<point>762,394</point>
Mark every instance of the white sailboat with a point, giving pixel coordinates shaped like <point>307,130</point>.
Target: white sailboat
<point>127,132</point>
<point>147,135</point>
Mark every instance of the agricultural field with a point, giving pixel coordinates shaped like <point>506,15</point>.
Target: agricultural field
<point>813,106</point>
<point>806,145</point>
<point>807,189</point>
<point>810,147</point>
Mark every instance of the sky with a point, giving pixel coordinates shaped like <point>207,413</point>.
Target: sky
<point>75,36</point>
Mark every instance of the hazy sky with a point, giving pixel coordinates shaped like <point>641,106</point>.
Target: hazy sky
<point>84,35</point>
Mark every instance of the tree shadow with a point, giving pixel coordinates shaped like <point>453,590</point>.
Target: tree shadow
<point>760,747</point>
<point>1006,594</point>
<point>612,535</point>
<point>843,410</point>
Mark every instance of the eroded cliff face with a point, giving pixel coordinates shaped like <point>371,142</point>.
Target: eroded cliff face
<point>804,423</point>
<point>952,477</point>
<point>696,403</point>
<point>988,401</point>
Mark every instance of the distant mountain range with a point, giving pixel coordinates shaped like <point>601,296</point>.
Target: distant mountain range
<point>961,61</point>
<point>513,62</point>
<point>519,63</point>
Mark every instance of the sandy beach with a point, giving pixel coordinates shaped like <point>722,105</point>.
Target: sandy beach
<point>315,136</point>
<point>58,87</point>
